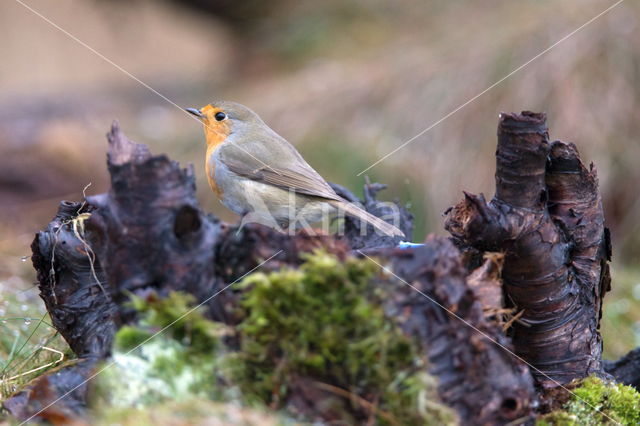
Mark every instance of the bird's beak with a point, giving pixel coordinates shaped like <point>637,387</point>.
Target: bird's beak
<point>195,112</point>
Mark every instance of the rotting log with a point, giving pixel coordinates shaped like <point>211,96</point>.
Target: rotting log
<point>147,235</point>
<point>547,218</point>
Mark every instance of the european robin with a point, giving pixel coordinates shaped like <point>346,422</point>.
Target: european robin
<point>260,176</point>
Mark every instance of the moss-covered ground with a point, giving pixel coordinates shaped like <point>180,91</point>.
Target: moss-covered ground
<point>319,329</point>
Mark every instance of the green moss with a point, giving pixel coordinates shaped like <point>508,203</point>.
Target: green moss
<point>595,402</point>
<point>128,337</point>
<point>326,321</point>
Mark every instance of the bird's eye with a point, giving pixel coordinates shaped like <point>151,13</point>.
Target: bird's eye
<point>220,116</point>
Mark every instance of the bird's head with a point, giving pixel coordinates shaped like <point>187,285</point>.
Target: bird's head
<point>222,118</point>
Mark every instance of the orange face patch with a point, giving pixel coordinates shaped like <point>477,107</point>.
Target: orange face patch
<point>215,131</point>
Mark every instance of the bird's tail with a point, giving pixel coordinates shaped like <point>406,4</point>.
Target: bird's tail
<point>353,210</point>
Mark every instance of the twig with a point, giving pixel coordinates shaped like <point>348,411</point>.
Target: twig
<point>357,398</point>
<point>513,319</point>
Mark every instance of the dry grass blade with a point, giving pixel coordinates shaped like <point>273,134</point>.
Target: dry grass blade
<point>42,367</point>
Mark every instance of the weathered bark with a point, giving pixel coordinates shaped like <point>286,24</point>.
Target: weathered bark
<point>148,231</point>
<point>478,376</point>
<point>73,283</point>
<point>547,218</point>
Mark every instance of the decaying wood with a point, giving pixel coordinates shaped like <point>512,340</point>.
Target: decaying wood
<point>470,355</point>
<point>542,235</point>
<point>73,283</point>
<point>547,218</point>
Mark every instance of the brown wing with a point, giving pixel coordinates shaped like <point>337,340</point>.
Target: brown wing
<point>277,163</point>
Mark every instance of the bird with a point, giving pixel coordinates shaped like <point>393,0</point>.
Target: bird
<point>260,176</point>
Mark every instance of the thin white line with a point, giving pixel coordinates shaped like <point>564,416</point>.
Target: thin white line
<point>492,86</point>
<point>152,336</point>
<point>484,334</point>
<point>109,61</point>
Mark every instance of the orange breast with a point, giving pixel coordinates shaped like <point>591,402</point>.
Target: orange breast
<point>210,167</point>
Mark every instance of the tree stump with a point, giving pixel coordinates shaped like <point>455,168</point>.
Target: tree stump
<point>547,218</point>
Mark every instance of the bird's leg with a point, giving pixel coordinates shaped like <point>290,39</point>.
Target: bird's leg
<point>244,219</point>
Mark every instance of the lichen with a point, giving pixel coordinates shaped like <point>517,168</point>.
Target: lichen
<point>596,402</point>
<point>178,364</point>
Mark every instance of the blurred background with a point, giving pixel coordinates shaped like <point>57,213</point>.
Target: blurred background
<point>345,81</point>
